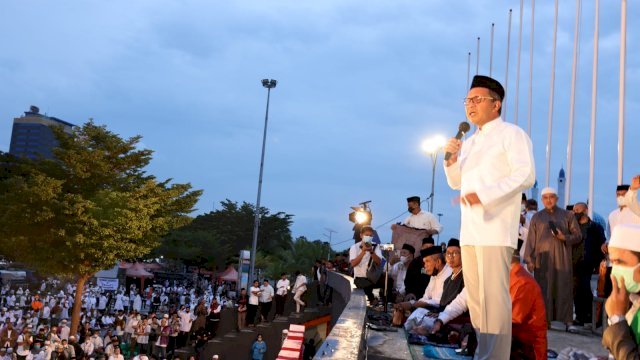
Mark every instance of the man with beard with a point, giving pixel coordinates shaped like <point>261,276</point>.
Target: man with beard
<point>552,233</point>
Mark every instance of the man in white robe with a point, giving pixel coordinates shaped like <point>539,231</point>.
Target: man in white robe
<point>491,169</point>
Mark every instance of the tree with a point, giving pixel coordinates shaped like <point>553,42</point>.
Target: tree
<point>194,247</point>
<point>233,225</point>
<point>88,208</point>
<point>300,256</point>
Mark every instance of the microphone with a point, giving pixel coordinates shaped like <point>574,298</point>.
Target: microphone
<point>463,128</point>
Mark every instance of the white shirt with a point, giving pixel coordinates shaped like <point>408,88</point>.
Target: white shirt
<point>64,332</point>
<point>455,308</point>
<point>433,292</point>
<point>253,299</point>
<point>186,320</point>
<point>621,216</point>
<point>282,286</point>
<point>631,200</point>
<point>267,293</point>
<point>398,273</point>
<point>360,270</point>
<point>87,347</point>
<point>524,230</point>
<point>23,350</point>
<point>497,164</point>
<point>300,284</point>
<point>423,220</point>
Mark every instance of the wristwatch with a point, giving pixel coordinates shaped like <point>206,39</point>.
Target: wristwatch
<point>616,319</point>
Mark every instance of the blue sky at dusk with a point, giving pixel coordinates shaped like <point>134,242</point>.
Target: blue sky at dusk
<point>360,85</point>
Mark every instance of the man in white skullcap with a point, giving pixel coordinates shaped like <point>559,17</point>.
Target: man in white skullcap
<point>552,233</point>
<point>622,336</point>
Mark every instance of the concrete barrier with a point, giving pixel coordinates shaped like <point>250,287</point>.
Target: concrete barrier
<point>346,341</point>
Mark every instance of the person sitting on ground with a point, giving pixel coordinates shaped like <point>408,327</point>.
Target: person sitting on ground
<point>415,281</point>
<point>436,267</point>
<point>529,321</point>
<point>453,285</point>
<point>398,271</point>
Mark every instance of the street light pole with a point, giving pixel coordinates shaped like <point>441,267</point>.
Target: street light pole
<point>269,84</point>
<point>439,222</point>
<point>434,158</point>
<point>432,147</point>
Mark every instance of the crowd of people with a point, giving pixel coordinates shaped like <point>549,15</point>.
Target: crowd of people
<point>153,323</point>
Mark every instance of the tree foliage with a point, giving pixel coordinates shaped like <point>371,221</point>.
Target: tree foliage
<point>218,236</point>
<point>89,207</point>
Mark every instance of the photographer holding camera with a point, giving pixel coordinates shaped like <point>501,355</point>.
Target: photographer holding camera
<point>366,260</point>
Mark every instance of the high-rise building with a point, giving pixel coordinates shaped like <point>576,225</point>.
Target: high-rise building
<point>32,136</point>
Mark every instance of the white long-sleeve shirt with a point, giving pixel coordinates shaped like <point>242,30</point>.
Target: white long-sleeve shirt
<point>497,164</point>
<point>433,292</point>
<point>631,200</point>
<point>282,286</point>
<point>301,283</point>
<point>398,272</point>
<point>266,293</point>
<point>455,308</point>
<point>423,220</point>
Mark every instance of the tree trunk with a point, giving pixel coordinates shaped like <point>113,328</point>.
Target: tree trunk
<point>77,304</point>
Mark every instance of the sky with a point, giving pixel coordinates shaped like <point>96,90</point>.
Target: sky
<point>360,85</point>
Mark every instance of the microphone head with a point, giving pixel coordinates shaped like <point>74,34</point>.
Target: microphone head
<point>464,127</point>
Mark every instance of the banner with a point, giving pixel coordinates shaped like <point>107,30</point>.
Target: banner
<point>108,284</point>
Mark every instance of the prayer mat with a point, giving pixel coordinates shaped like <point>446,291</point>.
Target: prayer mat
<point>441,352</point>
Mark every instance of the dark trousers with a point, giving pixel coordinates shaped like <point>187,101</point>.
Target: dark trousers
<point>280,300</point>
<point>582,293</point>
<point>607,283</point>
<point>328,294</point>
<point>265,308</point>
<point>319,291</point>
<point>252,310</point>
<point>368,290</point>
<point>182,338</point>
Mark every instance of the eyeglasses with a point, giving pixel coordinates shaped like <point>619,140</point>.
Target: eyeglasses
<point>452,254</point>
<point>476,99</point>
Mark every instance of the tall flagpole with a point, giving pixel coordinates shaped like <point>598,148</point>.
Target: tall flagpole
<point>506,76</point>
<point>533,8</point>
<point>468,71</point>
<point>572,107</point>
<point>493,26</point>
<point>553,80</point>
<point>594,97</point>
<point>515,116</point>
<point>623,60</point>
<point>478,57</point>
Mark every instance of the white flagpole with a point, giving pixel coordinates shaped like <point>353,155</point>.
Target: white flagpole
<point>623,59</point>
<point>506,76</point>
<point>572,107</point>
<point>478,57</point>
<point>551,89</point>
<point>594,97</point>
<point>468,71</point>
<point>491,50</point>
<point>533,8</point>
<point>515,116</point>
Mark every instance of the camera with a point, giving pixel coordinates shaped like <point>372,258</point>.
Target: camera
<point>386,247</point>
